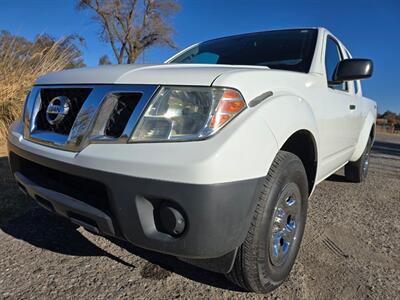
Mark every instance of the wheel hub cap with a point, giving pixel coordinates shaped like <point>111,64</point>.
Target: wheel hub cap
<point>284,228</point>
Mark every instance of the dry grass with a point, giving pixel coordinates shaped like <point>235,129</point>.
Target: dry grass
<point>19,72</point>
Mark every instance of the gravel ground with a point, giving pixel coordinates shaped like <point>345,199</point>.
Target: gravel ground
<point>349,251</point>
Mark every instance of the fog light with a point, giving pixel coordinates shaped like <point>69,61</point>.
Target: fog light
<point>171,220</point>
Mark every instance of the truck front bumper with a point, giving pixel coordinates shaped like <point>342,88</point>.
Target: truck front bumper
<point>216,216</point>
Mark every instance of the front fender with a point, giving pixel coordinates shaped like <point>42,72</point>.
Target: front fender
<point>286,114</point>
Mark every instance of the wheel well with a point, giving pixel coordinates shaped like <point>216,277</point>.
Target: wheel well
<point>372,133</point>
<point>302,144</point>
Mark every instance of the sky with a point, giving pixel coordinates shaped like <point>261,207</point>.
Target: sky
<point>368,28</point>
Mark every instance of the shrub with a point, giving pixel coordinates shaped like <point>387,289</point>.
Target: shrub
<point>22,62</point>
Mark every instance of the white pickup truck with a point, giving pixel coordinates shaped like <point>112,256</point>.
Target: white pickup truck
<point>210,157</point>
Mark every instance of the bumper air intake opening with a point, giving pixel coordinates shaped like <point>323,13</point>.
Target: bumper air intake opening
<point>22,188</point>
<point>45,203</point>
<point>94,193</point>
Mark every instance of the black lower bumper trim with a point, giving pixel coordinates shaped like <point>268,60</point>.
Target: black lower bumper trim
<point>217,215</point>
<point>78,211</point>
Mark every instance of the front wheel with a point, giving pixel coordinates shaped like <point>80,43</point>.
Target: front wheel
<point>266,257</point>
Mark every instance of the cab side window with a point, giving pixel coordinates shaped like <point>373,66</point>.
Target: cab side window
<point>332,57</point>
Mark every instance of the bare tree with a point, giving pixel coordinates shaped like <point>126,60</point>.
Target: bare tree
<point>104,60</point>
<point>131,26</point>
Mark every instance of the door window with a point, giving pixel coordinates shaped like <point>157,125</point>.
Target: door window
<point>333,56</point>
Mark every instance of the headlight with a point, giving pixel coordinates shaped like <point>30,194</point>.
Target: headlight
<point>187,113</point>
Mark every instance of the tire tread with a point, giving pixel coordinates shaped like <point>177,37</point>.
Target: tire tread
<point>243,273</point>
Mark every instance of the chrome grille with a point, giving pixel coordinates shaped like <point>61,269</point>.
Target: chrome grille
<point>124,106</point>
<point>77,97</point>
<point>95,114</point>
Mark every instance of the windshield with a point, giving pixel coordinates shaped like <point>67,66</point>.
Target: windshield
<point>282,49</point>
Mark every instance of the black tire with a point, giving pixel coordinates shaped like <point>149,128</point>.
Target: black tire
<point>253,268</point>
<point>357,171</point>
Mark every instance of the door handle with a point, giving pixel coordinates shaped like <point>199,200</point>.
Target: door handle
<point>352,107</point>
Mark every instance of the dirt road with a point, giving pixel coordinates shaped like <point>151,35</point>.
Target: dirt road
<point>350,249</point>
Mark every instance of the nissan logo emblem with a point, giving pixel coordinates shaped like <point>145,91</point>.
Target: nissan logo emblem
<point>57,109</point>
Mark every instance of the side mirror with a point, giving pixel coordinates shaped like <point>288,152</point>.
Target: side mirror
<point>353,69</point>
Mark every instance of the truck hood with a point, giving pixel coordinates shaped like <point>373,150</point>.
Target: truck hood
<point>166,74</point>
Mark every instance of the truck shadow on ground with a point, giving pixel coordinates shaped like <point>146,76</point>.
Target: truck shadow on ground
<point>386,148</point>
<point>172,264</point>
<point>45,230</point>
<point>337,178</point>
